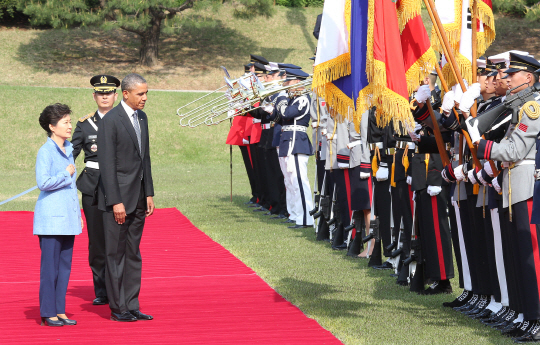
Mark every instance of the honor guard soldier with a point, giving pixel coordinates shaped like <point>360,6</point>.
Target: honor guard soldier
<point>295,145</point>
<point>517,153</point>
<point>85,139</point>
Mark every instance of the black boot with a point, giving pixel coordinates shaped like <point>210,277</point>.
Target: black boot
<point>460,300</point>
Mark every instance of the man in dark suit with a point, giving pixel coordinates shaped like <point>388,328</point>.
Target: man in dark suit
<point>126,195</point>
<point>85,139</point>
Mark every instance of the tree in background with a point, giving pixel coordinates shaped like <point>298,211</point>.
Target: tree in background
<point>144,18</point>
<point>530,9</point>
<point>7,7</point>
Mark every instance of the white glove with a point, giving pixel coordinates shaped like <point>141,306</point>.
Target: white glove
<point>458,93</point>
<point>245,142</point>
<point>268,108</point>
<point>364,175</point>
<point>448,102</point>
<point>495,184</point>
<point>434,190</point>
<point>481,179</point>
<point>471,177</point>
<point>414,196</point>
<point>382,174</point>
<point>423,94</point>
<point>458,172</point>
<point>443,174</point>
<point>414,137</point>
<point>409,180</point>
<point>472,128</point>
<point>487,168</point>
<point>468,98</point>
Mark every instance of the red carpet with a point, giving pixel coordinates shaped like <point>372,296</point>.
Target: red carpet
<point>197,291</point>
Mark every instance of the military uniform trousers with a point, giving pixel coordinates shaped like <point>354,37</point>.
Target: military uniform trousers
<point>301,189</point>
<point>246,156</point>
<point>96,244</point>
<point>124,262</point>
<point>528,257</point>
<point>434,234</point>
<point>287,180</point>
<point>402,211</point>
<point>382,204</point>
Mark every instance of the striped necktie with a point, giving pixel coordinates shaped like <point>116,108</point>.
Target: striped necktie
<point>135,122</point>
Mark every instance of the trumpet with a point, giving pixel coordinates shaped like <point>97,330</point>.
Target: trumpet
<point>239,97</point>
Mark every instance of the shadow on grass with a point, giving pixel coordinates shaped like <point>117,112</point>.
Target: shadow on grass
<point>199,44</point>
<point>296,16</point>
<point>312,296</point>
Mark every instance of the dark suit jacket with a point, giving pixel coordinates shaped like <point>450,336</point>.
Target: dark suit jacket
<point>121,163</point>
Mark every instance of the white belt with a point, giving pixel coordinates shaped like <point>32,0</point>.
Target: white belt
<point>291,128</point>
<point>266,125</point>
<point>353,144</point>
<point>379,145</point>
<point>314,124</point>
<point>522,162</point>
<point>92,165</point>
<point>256,120</point>
<point>402,144</point>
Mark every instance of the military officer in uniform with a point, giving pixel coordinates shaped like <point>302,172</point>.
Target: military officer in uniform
<point>85,139</point>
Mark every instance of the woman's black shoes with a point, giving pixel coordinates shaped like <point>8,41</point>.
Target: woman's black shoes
<point>46,321</point>
<point>68,322</point>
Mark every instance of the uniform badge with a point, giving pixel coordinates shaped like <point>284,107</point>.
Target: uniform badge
<point>323,104</point>
<point>93,148</point>
<point>523,127</point>
<point>104,80</point>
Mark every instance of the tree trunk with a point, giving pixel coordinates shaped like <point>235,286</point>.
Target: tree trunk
<point>149,52</point>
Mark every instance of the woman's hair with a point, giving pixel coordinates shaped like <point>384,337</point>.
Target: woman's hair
<point>52,114</point>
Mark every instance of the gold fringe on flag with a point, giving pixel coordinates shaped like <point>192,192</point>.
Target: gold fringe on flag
<point>453,30</point>
<point>486,38</point>
<point>407,10</point>
<point>420,69</point>
<point>464,66</point>
<point>331,70</point>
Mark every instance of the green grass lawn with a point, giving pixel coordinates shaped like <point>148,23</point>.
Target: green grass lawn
<point>191,172</point>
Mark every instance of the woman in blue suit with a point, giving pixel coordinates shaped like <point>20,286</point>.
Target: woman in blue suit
<point>57,216</point>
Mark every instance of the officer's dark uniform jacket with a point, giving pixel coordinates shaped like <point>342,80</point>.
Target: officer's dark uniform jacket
<point>296,112</point>
<point>280,100</point>
<point>85,139</point>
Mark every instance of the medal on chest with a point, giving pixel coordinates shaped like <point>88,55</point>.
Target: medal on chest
<point>93,148</point>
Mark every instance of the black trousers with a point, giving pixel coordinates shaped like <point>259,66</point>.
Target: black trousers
<point>528,257</point>
<point>479,251</point>
<point>490,255</point>
<point>276,183</point>
<point>434,234</point>
<point>511,262</point>
<point>402,208</point>
<point>382,201</point>
<point>246,156</point>
<point>96,244</point>
<point>124,262</point>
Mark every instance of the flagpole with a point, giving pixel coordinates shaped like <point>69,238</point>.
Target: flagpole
<point>474,53</point>
<point>438,137</point>
<point>446,45</point>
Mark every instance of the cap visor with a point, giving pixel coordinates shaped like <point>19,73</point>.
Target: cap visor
<point>513,70</point>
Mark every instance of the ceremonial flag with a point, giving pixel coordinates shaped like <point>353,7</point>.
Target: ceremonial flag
<point>333,59</point>
<point>456,18</point>
<point>386,55</point>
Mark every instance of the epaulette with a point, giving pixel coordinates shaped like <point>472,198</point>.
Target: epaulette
<point>86,117</point>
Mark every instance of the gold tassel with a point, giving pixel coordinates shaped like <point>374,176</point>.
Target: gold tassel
<point>392,182</point>
<point>427,163</point>
<point>374,163</point>
<point>405,158</point>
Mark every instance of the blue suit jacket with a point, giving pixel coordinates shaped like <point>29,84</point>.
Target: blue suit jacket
<point>57,210</point>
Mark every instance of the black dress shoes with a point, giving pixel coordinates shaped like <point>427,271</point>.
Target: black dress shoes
<point>342,246</point>
<point>531,335</point>
<point>279,216</point>
<point>439,287</point>
<point>289,221</point>
<point>261,209</point>
<point>46,321</point>
<point>101,301</point>
<point>385,266</point>
<point>249,203</point>
<point>141,316</point>
<point>461,300</point>
<point>123,317</point>
<point>68,322</point>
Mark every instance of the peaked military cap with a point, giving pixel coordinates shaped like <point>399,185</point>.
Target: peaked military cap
<point>259,59</point>
<point>104,83</point>
<point>288,66</point>
<point>294,73</point>
<point>491,69</point>
<point>522,63</point>
<point>259,68</point>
